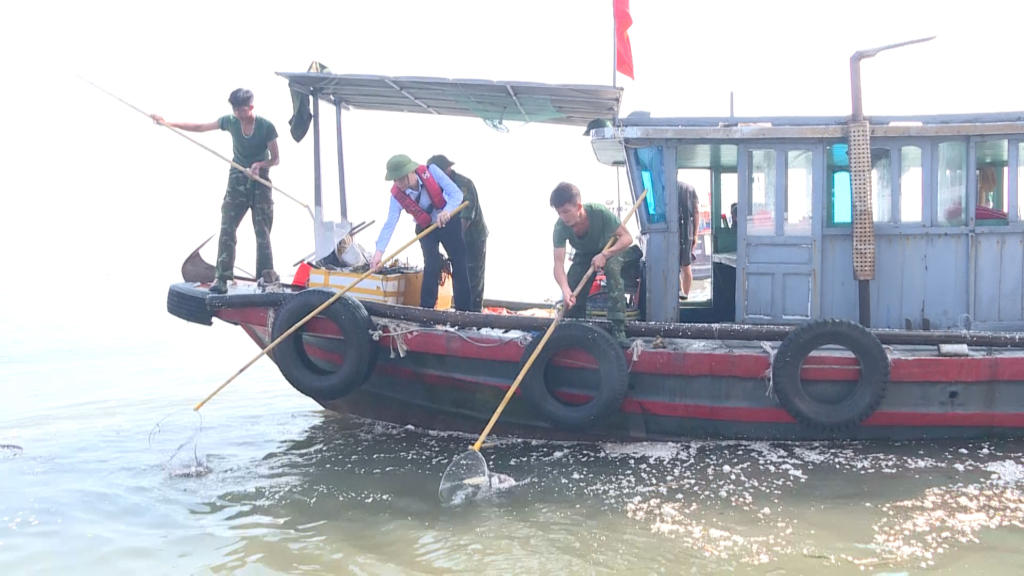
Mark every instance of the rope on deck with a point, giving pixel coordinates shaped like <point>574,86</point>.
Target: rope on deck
<point>397,331</point>
<point>771,364</point>
<point>635,349</point>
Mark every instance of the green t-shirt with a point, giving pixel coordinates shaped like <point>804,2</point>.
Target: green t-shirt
<point>252,148</point>
<point>603,225</point>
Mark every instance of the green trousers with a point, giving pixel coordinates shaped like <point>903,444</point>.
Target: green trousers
<point>245,194</point>
<point>616,291</point>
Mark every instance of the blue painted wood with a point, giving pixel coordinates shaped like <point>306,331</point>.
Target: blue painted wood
<point>880,288</point>
<point>817,226</point>
<point>742,208</point>
<point>925,276</point>
<point>796,301</point>
<point>759,291</point>
<point>945,280</point>
<point>663,245</point>
<point>905,295</point>
<point>838,286</point>
<point>780,254</point>
<point>1011,279</point>
<point>988,261</point>
<point>764,261</point>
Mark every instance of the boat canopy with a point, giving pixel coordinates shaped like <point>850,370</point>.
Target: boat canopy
<point>493,101</point>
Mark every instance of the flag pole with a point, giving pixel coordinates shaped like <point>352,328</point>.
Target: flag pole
<point>615,46</point>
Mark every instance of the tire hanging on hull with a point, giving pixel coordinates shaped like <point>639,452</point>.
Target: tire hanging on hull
<point>292,356</point>
<point>868,393</point>
<point>614,377</point>
<point>187,302</point>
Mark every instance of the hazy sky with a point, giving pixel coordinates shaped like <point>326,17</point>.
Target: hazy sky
<point>85,172</point>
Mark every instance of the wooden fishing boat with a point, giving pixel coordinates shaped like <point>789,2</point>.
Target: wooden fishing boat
<point>871,287</point>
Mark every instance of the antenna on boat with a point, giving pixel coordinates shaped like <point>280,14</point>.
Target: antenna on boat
<point>859,134</point>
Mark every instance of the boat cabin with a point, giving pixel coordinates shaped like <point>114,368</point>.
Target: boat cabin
<point>945,205</point>
<point>943,249</point>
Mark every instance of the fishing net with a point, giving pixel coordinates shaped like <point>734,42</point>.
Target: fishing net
<point>464,479</point>
<point>176,439</point>
<point>496,125</point>
<point>495,109</point>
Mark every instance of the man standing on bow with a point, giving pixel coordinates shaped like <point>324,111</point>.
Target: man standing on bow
<point>429,195</point>
<point>254,142</point>
<point>473,228</point>
<point>587,228</point>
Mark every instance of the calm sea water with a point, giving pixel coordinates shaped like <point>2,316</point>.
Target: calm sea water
<point>294,489</point>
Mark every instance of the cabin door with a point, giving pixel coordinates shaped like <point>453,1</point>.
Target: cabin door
<point>778,252</point>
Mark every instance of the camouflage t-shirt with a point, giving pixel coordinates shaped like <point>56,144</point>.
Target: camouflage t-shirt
<point>603,225</point>
<point>252,148</point>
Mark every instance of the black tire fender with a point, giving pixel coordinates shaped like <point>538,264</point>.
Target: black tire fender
<point>293,360</point>
<point>187,302</point>
<point>611,362</point>
<point>866,397</point>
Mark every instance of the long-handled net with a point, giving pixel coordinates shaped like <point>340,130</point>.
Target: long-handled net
<point>467,476</point>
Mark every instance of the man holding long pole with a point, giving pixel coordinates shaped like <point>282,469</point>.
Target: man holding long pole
<point>429,195</point>
<point>254,141</point>
<point>587,228</point>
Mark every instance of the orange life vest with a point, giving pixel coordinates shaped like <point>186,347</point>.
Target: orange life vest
<point>412,207</point>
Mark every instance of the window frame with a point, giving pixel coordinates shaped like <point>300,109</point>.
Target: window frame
<point>895,225</point>
<point>1013,162</point>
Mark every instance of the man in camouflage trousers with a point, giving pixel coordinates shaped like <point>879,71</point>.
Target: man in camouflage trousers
<point>473,227</point>
<point>254,143</point>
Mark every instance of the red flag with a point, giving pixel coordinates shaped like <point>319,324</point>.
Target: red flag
<point>623,51</point>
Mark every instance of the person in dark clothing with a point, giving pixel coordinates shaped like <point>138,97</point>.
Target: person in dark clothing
<point>473,228</point>
<point>689,223</point>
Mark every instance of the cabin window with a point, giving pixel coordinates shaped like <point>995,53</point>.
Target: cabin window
<point>952,184</point>
<point>652,176</point>
<point>840,198</point>
<point>911,184</point>
<point>761,204</point>
<point>730,197</point>
<point>881,185</point>
<point>799,184</point>
<point>992,188</point>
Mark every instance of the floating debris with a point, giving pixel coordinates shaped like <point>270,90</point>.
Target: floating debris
<point>10,450</point>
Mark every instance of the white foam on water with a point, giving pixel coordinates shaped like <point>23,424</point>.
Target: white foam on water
<point>1006,472</point>
<point>198,470</point>
<point>749,479</point>
<point>653,450</point>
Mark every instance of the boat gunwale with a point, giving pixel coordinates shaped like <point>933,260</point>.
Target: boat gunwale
<point>634,329</point>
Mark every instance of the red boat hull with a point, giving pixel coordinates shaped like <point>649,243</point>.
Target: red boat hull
<point>453,380</point>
